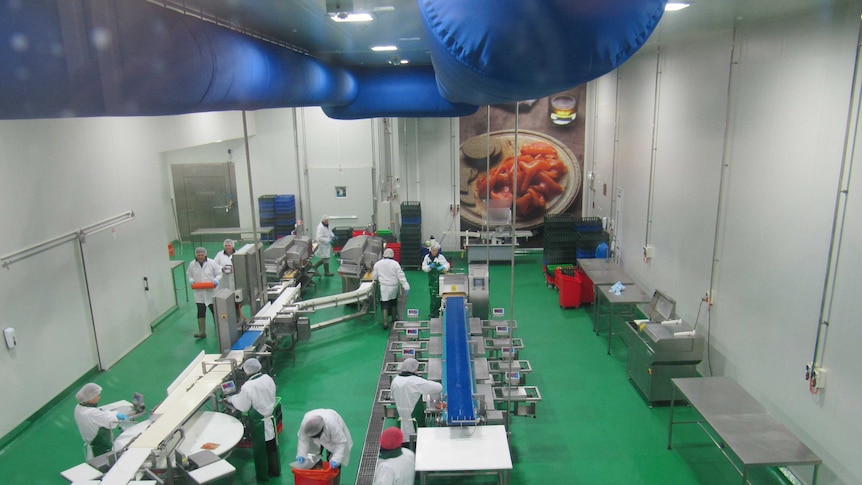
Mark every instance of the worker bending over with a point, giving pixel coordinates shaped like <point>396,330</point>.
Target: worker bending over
<point>407,388</point>
<point>95,424</point>
<point>395,465</point>
<point>323,429</point>
<point>257,397</point>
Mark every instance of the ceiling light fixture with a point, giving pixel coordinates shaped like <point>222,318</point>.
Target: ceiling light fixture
<point>384,48</point>
<point>352,17</point>
<point>674,6</point>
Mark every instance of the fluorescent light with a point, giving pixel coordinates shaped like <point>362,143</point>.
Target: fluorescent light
<point>405,61</point>
<point>674,6</point>
<point>384,48</point>
<point>352,17</point>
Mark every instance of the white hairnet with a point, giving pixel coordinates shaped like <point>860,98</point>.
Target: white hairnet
<point>410,365</point>
<point>325,217</point>
<point>228,241</point>
<point>251,366</point>
<point>435,245</point>
<point>313,425</point>
<point>388,253</point>
<point>201,250</point>
<point>88,392</point>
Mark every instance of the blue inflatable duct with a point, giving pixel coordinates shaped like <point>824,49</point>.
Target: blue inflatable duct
<point>498,51</point>
<point>404,92</point>
<point>133,58</point>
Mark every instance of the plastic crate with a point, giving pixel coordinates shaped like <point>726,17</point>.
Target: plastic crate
<point>323,476</point>
<point>587,289</point>
<point>588,224</point>
<point>558,223</point>
<point>589,240</point>
<point>411,209</point>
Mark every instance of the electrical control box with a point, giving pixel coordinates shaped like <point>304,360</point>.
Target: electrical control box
<point>9,335</point>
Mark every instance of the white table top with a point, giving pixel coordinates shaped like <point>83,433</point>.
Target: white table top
<point>205,427</point>
<point>469,448</point>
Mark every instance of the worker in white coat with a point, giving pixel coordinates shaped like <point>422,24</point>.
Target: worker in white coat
<point>435,264</point>
<point>324,238</point>
<point>395,465</point>
<point>390,277</point>
<point>94,424</point>
<point>407,389</point>
<point>257,397</point>
<point>224,258</point>
<point>323,429</point>
<point>204,270</point>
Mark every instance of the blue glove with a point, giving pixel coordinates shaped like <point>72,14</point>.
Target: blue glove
<point>300,459</point>
<point>122,417</point>
<point>334,464</point>
<point>215,282</point>
<point>334,238</point>
<point>406,293</point>
<point>191,281</point>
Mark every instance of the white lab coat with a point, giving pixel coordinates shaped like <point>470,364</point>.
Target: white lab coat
<point>396,471</point>
<point>324,241</point>
<point>335,438</point>
<point>259,393</point>
<point>90,419</point>
<point>223,260</point>
<point>207,272</point>
<point>406,390</point>
<point>426,262</point>
<point>388,273</point>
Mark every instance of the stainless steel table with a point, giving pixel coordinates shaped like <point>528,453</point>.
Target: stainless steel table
<point>602,272</point>
<point>745,428</point>
<point>468,450</point>
<point>598,264</point>
<point>630,297</point>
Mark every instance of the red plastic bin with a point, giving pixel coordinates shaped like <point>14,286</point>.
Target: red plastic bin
<point>587,295</point>
<point>569,288</point>
<point>322,476</point>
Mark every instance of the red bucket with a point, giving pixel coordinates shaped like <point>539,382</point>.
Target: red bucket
<point>323,476</point>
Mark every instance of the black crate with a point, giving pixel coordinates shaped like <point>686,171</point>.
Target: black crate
<point>411,209</point>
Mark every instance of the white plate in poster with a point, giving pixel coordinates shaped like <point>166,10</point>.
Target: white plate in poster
<point>472,209</point>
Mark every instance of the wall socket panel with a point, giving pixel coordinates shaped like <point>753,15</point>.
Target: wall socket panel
<point>818,374</point>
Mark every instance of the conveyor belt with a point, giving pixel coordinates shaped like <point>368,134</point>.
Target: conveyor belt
<point>458,374</point>
<point>371,448</point>
<point>248,339</point>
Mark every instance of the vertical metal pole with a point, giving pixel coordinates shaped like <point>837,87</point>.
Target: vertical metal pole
<point>261,283</point>
<point>89,300</point>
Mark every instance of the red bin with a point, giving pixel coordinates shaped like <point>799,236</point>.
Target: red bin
<point>569,288</point>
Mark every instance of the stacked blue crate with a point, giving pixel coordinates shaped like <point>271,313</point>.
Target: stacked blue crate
<point>266,211</point>
<point>411,235</point>
<point>285,215</point>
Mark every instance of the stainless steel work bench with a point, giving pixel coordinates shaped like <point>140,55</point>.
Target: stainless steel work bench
<point>743,427</point>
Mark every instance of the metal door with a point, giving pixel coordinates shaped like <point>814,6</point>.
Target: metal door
<point>205,196</point>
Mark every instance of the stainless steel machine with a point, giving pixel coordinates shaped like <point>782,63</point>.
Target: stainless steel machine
<point>288,258</point>
<point>248,272</point>
<point>660,351</point>
<point>357,258</point>
<point>478,290</point>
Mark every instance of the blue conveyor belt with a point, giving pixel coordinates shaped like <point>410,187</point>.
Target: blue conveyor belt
<point>458,383</point>
<point>247,339</point>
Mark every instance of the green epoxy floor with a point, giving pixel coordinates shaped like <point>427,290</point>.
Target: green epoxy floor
<point>592,427</point>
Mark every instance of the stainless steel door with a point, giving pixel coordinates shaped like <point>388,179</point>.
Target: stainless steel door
<point>205,196</point>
